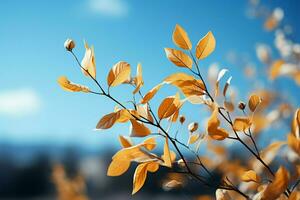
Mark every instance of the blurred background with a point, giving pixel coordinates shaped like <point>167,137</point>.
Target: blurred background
<point>41,126</point>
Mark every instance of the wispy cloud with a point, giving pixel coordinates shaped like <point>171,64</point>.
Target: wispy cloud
<point>19,103</point>
<point>110,8</point>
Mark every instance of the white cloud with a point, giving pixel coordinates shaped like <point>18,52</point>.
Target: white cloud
<point>110,8</point>
<point>19,103</point>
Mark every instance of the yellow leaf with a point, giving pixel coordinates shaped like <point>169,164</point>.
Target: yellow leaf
<point>181,38</point>
<point>138,79</point>
<point>193,138</point>
<point>124,141</point>
<point>168,107</point>
<point>143,111</point>
<point>119,73</point>
<point>278,186</point>
<point>139,177</point>
<point>118,167</point>
<point>191,87</point>
<point>275,69</point>
<point>167,155</point>
<point>179,58</point>
<point>152,167</point>
<point>71,87</point>
<point>149,143</point>
<point>205,46</point>
<point>107,121</point>
<point>88,62</point>
<point>138,129</point>
<point>213,129</point>
<point>254,101</point>
<point>178,77</point>
<point>241,124</point>
<point>250,176</point>
<point>151,94</point>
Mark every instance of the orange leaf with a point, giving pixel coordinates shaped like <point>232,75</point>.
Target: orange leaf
<point>241,124</point>
<point>151,94</point>
<point>179,58</point>
<point>250,176</point>
<point>139,177</point>
<point>205,46</point>
<point>181,38</point>
<point>254,101</point>
<point>119,73</point>
<point>71,87</point>
<point>138,129</point>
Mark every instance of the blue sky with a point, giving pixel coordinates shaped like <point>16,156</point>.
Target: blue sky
<point>33,57</point>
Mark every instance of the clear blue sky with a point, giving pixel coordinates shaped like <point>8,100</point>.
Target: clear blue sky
<point>32,34</point>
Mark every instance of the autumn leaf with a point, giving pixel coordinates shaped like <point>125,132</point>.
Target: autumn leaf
<point>213,127</point>
<point>107,121</point>
<point>205,46</point>
<point>151,94</point>
<point>250,176</point>
<point>88,62</point>
<point>275,69</point>
<point>138,129</point>
<point>220,76</point>
<point>294,143</point>
<point>119,73</point>
<point>181,38</point>
<point>179,58</point>
<point>167,155</point>
<point>118,167</point>
<point>193,138</point>
<point>138,79</point>
<point>253,102</point>
<point>71,87</point>
<point>139,177</point>
<point>241,124</point>
<point>168,107</point>
<point>124,141</point>
<point>278,186</point>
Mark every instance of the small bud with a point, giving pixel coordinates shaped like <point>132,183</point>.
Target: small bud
<point>69,44</point>
<point>242,105</point>
<point>193,127</point>
<point>181,119</point>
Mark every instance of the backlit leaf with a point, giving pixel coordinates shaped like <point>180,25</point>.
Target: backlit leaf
<point>119,73</point>
<point>118,167</point>
<point>241,124</point>
<point>181,38</point>
<point>179,58</point>
<point>138,79</point>
<point>167,155</point>
<point>151,94</point>
<point>168,107</point>
<point>213,129</point>
<point>254,101</point>
<point>139,129</point>
<point>71,87</point>
<point>250,176</point>
<point>139,177</point>
<point>88,62</point>
<point>205,46</point>
<point>278,186</point>
<point>124,141</point>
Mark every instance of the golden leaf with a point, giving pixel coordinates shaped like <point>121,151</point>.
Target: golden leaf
<point>71,87</point>
<point>205,46</point>
<point>275,69</point>
<point>118,167</point>
<point>191,87</point>
<point>119,73</point>
<point>138,79</point>
<point>181,38</point>
<point>139,177</point>
<point>152,167</point>
<point>88,62</point>
<point>139,129</point>
<point>250,176</point>
<point>179,58</point>
<point>213,129</point>
<point>124,141</point>
<point>254,101</point>
<point>241,124</point>
<point>278,186</point>
<point>168,107</point>
<point>107,121</point>
<point>178,77</point>
<point>151,94</point>
<point>149,143</point>
<point>295,129</point>
<point>193,138</point>
<point>167,155</point>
